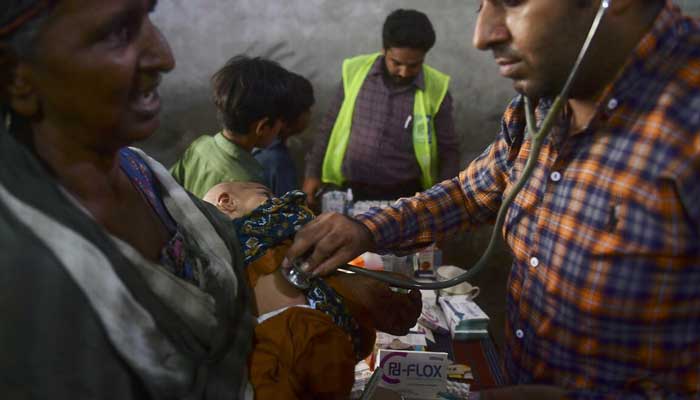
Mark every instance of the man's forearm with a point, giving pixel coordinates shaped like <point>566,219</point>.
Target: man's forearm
<point>413,223</point>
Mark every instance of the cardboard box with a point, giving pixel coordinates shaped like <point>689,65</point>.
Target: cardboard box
<point>413,374</point>
<point>334,201</point>
<point>433,318</point>
<point>465,318</point>
<point>426,261</point>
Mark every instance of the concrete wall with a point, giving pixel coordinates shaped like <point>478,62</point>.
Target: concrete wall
<point>690,6</point>
<point>311,37</point>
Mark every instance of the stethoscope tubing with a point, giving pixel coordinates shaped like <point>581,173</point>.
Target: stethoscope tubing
<point>538,137</point>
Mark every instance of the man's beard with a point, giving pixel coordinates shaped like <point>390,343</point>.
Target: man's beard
<point>399,81</point>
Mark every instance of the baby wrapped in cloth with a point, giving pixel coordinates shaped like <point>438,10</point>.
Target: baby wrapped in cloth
<point>307,343</point>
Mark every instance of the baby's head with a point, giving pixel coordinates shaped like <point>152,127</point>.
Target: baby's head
<point>237,199</point>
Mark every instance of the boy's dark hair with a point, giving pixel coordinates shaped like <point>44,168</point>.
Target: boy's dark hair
<point>249,89</point>
<point>408,28</point>
<point>301,97</point>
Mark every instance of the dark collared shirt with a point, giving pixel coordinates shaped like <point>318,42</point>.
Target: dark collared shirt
<point>279,170</point>
<point>380,149</point>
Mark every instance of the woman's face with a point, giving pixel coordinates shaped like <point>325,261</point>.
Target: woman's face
<point>96,70</point>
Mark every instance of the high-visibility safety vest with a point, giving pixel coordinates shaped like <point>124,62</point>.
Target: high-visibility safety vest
<point>426,104</point>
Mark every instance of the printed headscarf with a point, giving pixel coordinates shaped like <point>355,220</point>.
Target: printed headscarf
<point>273,222</point>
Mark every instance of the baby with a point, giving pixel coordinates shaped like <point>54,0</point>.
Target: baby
<point>306,343</point>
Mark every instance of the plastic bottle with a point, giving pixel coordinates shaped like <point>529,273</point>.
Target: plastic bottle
<point>349,205</point>
<point>373,261</point>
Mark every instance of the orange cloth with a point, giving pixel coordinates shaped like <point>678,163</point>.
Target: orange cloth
<point>268,263</point>
<point>367,332</point>
<point>301,353</point>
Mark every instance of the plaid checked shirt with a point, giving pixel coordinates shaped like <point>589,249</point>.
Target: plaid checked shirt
<point>604,292</point>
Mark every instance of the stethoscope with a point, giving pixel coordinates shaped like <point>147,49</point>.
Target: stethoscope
<point>297,277</point>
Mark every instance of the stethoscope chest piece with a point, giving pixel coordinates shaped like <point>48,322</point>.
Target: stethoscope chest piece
<point>296,275</point>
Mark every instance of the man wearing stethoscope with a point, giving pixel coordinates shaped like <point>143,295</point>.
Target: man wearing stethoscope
<point>603,298</point>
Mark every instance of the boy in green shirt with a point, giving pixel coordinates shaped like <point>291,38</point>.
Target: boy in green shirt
<point>251,95</point>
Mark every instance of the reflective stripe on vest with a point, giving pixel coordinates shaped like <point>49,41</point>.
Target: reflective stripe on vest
<point>426,104</point>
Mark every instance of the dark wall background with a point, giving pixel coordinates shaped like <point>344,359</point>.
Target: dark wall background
<point>312,37</point>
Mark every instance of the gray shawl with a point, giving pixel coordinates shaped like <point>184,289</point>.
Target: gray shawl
<point>80,317</point>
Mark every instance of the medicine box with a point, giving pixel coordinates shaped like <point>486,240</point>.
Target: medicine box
<point>464,317</point>
<point>413,374</point>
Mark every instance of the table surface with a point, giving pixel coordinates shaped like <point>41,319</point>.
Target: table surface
<point>480,354</point>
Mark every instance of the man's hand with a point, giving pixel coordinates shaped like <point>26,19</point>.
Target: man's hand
<point>310,187</point>
<point>330,240</point>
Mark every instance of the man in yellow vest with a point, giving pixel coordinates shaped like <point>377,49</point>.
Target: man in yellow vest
<point>389,132</point>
